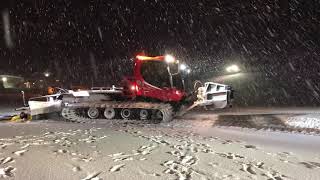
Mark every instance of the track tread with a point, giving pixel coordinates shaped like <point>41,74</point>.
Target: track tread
<point>69,112</point>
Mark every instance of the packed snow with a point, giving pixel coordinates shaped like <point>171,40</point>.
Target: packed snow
<point>60,150</point>
<point>305,121</point>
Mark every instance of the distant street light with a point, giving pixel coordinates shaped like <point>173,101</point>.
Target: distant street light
<point>4,79</point>
<point>46,74</point>
<point>233,69</point>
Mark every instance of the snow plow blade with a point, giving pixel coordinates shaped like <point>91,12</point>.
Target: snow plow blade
<point>215,96</point>
<point>45,106</point>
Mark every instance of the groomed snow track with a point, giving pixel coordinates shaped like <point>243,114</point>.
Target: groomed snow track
<point>70,112</point>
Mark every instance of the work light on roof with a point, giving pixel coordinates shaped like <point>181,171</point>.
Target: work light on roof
<point>169,59</point>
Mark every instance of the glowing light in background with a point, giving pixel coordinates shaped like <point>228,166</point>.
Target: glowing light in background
<point>4,79</point>
<point>233,69</point>
<point>46,74</point>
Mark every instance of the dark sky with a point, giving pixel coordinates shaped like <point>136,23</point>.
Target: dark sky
<point>78,38</point>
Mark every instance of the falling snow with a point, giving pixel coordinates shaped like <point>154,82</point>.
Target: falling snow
<point>275,43</point>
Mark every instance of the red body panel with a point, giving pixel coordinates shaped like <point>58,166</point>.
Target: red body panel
<point>138,87</point>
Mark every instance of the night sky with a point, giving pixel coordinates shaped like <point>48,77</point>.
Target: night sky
<point>81,39</point>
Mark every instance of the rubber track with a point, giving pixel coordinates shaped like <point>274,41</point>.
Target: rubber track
<point>69,112</point>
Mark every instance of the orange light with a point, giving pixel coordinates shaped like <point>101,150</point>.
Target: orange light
<point>149,58</point>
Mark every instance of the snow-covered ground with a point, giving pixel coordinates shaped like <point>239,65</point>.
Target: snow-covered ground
<point>201,145</point>
<point>115,150</point>
<point>305,121</point>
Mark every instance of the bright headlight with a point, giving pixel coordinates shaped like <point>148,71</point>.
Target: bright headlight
<point>169,59</point>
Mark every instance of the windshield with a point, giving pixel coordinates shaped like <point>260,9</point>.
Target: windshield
<point>156,73</point>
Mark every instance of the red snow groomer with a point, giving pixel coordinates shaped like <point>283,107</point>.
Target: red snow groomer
<point>154,79</point>
<point>155,92</point>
